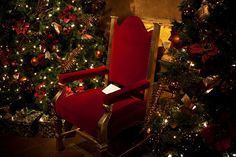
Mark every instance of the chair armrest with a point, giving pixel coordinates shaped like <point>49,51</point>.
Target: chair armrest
<point>72,76</point>
<point>126,91</point>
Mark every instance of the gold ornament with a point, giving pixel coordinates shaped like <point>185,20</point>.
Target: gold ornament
<point>67,64</point>
<point>188,103</point>
<point>23,79</point>
<point>57,27</point>
<point>87,36</point>
<point>176,39</point>
<point>98,54</point>
<point>34,61</point>
<point>203,11</point>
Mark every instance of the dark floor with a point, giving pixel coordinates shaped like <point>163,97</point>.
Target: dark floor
<point>17,146</point>
<point>37,146</point>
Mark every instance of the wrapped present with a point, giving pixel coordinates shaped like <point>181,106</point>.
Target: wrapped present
<point>23,122</point>
<point>46,126</point>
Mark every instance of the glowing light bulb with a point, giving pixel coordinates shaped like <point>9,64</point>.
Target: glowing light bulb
<point>205,124</point>
<point>166,121</point>
<point>170,155</point>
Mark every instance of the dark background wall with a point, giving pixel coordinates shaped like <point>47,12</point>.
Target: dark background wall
<point>155,9</point>
<point>144,8</point>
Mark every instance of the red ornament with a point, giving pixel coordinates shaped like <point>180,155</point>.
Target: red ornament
<point>41,56</point>
<point>175,39</point>
<point>34,61</point>
<point>98,54</point>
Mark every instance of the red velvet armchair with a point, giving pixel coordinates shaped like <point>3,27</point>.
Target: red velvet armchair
<point>131,62</point>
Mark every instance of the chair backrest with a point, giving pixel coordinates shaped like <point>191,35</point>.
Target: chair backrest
<point>132,51</point>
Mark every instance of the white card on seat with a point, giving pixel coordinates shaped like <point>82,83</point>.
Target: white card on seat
<point>110,88</point>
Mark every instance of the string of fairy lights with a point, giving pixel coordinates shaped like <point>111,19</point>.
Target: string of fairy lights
<point>32,41</point>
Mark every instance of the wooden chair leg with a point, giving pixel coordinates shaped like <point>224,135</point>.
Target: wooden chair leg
<point>102,151</point>
<point>58,133</point>
<point>67,127</point>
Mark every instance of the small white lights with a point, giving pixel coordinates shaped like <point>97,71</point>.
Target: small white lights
<point>96,80</point>
<point>49,15</point>
<point>192,64</point>
<point>58,8</point>
<point>205,124</point>
<point>72,25</point>
<point>91,66</point>
<point>169,155</point>
<point>194,107</point>
<point>209,90</point>
<point>41,119</point>
<point>234,154</point>
<point>166,121</point>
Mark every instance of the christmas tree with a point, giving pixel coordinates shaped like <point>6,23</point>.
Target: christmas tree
<point>40,39</point>
<point>193,108</point>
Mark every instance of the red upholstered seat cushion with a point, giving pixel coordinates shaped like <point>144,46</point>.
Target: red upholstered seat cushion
<point>85,109</point>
